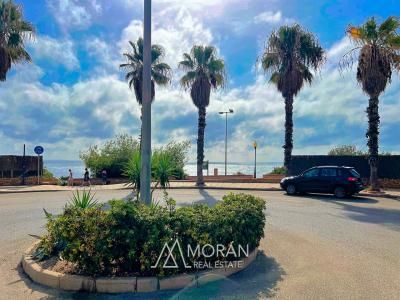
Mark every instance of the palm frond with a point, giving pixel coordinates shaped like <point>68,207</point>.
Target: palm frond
<point>160,71</point>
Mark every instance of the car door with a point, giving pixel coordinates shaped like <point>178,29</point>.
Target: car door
<point>328,177</point>
<point>309,181</point>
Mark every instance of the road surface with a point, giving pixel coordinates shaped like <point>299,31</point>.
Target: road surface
<point>315,247</point>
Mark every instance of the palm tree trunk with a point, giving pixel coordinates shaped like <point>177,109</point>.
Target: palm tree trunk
<point>200,146</point>
<point>288,131</point>
<point>141,132</point>
<point>373,140</point>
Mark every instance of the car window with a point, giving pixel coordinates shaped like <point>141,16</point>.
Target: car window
<point>311,173</point>
<point>328,172</point>
<point>355,173</point>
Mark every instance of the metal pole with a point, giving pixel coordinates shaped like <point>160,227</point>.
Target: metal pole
<point>226,142</point>
<point>23,168</point>
<point>255,162</point>
<point>38,169</point>
<point>145,174</point>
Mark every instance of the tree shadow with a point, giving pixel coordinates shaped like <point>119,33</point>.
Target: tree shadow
<point>386,217</point>
<point>368,214</point>
<point>206,199</point>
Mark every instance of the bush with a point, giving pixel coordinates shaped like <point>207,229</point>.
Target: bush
<point>279,171</point>
<point>114,156</point>
<point>166,164</point>
<point>83,200</point>
<point>128,238</point>
<point>47,174</point>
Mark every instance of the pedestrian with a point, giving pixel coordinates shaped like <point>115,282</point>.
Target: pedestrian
<point>70,178</point>
<point>86,178</point>
<point>104,176</point>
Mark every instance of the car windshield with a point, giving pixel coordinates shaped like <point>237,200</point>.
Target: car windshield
<point>355,173</point>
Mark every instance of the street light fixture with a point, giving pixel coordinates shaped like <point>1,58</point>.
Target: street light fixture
<point>255,159</point>
<point>230,111</point>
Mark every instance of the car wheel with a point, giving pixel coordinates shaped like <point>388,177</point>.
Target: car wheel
<point>340,192</point>
<point>291,189</point>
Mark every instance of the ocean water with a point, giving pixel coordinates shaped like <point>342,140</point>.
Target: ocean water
<point>60,168</point>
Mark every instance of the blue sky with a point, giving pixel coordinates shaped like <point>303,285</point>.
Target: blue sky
<point>73,94</point>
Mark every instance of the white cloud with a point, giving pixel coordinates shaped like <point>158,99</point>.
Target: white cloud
<point>269,17</point>
<point>213,7</point>
<point>56,51</point>
<point>176,30</point>
<point>106,54</point>
<point>74,13</point>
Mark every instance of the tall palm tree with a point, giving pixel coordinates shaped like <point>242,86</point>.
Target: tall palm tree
<point>204,71</point>
<point>14,30</point>
<point>379,55</point>
<point>290,56</point>
<point>160,71</point>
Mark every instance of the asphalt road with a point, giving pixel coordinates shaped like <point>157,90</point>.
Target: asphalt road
<point>315,247</point>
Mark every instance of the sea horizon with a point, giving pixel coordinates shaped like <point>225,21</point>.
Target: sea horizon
<point>60,167</point>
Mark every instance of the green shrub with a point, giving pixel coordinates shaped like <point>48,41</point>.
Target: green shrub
<point>279,171</point>
<point>163,167</point>
<point>82,200</point>
<point>47,174</point>
<point>128,238</point>
<point>115,155</point>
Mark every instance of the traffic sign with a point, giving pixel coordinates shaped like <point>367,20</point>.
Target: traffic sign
<point>39,150</point>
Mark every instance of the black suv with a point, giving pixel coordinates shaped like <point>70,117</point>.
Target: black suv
<point>340,181</point>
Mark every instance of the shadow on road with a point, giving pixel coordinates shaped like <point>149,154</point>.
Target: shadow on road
<point>369,214</point>
<point>206,199</point>
<point>259,280</point>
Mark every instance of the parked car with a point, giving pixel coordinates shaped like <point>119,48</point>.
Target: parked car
<point>340,181</point>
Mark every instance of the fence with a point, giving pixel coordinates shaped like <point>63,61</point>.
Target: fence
<point>12,166</point>
<point>389,165</point>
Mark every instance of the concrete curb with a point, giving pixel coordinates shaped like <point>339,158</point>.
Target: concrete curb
<point>118,285</point>
<point>171,188</point>
<point>270,189</point>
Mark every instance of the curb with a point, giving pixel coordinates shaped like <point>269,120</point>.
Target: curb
<point>271,189</point>
<point>170,188</point>
<point>118,285</point>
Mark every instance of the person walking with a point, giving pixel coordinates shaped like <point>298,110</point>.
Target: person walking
<point>104,176</point>
<point>86,178</point>
<point>70,178</point>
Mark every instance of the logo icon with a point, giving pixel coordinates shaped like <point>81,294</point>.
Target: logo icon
<point>171,256</point>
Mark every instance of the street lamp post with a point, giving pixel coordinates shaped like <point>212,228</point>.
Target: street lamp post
<point>230,111</point>
<point>145,174</point>
<point>255,159</point>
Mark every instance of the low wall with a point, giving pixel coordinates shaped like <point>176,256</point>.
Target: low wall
<point>28,181</point>
<point>273,178</point>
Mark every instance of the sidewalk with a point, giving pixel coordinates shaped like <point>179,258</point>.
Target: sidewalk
<point>393,194</point>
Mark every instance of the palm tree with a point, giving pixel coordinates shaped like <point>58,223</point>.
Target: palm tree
<point>13,33</point>
<point>379,55</point>
<point>290,55</point>
<point>204,71</point>
<point>160,71</point>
